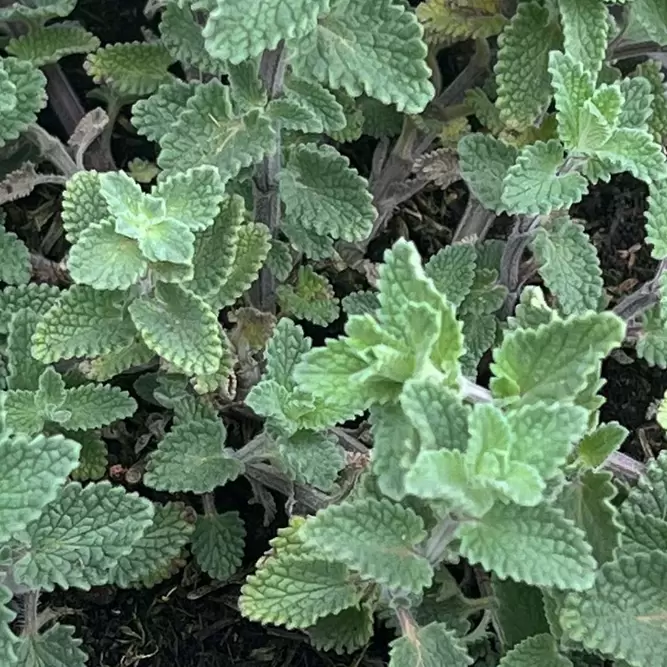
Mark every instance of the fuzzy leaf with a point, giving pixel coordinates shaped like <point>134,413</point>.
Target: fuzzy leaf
<point>215,249</point>
<point>96,405</point>
<point>649,496</point>
<point>154,116</point>
<point>21,110</point>
<point>432,646</point>
<point>80,536</point>
<point>208,132</point>
<point>651,70</point>
<point>452,271</point>
<point>484,163</point>
<point>106,260</point>
<point>597,446</point>
<point>312,458</point>
<point>308,106</point>
<point>15,268</point>
<point>360,303</point>
<point>587,501</point>
<point>39,10</point>
<point>20,413</point>
<point>182,37</point>
<point>38,297</point>
<point>553,361</point>
<point>82,204</point>
<point>533,184</point>
<point>324,194</point>
<point>312,298</point>
<point>539,650</point>
<point>623,614</point>
<point>295,591</point>
<point>344,632</point>
<point>252,247</point>
<point>656,219</point>
<point>180,327</point>
<point>638,99</point>
<point>652,343</point>
<point>130,68</point>
<point>569,265</point>
<point>31,473</point>
<point>161,543</point>
<point>522,76</point>
<point>446,21</point>
<point>538,545</point>
<point>376,538</point>
<point>106,366</point>
<point>585,28</point>
<point>284,350</point>
<point>218,544</point>
<point>57,647</point>
<point>93,459</point>
<point>8,640</point>
<point>84,322</point>
<point>372,47</point>
<point>48,44</point>
<point>24,369</point>
<point>651,15</point>
<point>192,457</point>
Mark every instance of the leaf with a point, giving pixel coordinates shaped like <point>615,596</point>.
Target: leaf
<point>15,268</point>
<point>84,322</point>
<point>284,350</point>
<point>182,37</point>
<point>588,502</point>
<point>368,46</point>
<point>651,70</point>
<point>180,327</point>
<point>20,412</point>
<point>296,591</point>
<point>208,132</point>
<point>552,361</point>
<point>436,413</point>
<point>30,98</point>
<point>38,297</point>
<point>344,632</point>
<point>160,544</point>
<point>522,77</point>
<point>192,197</point>
<point>48,44</point>
<point>307,106</point>
<point>638,98</point>
<point>434,645</point>
<point>80,536</point>
<point>597,446</point>
<point>8,640</point>
<point>585,29</point>
<point>106,260</point>
<point>656,219</point>
<point>623,614</point>
<point>539,650</point>
<point>56,647</point>
<point>312,298</point>
<point>218,544</point>
<point>519,611</point>
<point>154,116</point>
<point>192,457</point>
<point>124,359</point>
<point>651,15</point>
<point>252,247</point>
<point>484,164</point>
<point>93,459</point>
<point>96,405</point>
<point>24,369</point>
<point>446,22</point>
<point>537,545</point>
<point>130,68</point>
<point>649,496</point>
<point>534,185</point>
<point>376,538</point>
<point>41,10</point>
<point>323,194</point>
<point>452,270</point>
<point>640,533</point>
<point>236,32</point>
<point>82,204</point>
<point>215,249</point>
<point>360,303</point>
<point>569,265</point>
<point>312,458</point>
<point>31,473</point>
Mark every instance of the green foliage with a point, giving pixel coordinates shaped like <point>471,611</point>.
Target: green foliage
<point>56,647</point>
<point>429,646</point>
<point>311,298</point>
<point>49,44</point>
<point>217,544</point>
<point>540,649</point>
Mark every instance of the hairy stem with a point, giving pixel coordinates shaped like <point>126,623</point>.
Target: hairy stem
<point>30,615</point>
<point>475,222</point>
<point>208,502</point>
<point>266,192</point>
<point>439,539</point>
<point>47,271</point>
<point>52,149</point>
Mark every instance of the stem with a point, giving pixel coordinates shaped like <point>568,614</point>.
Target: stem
<point>47,271</point>
<point>208,501</point>
<point>636,50</point>
<point>266,193</point>
<point>439,540</point>
<point>52,149</point>
<point>30,606</point>
<point>475,222</point>
<point>643,298</point>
